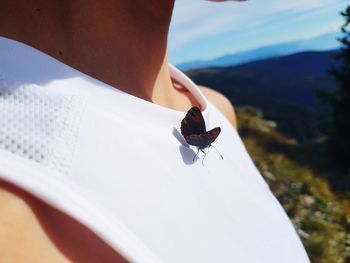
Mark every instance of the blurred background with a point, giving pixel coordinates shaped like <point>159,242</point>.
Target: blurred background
<point>285,66</point>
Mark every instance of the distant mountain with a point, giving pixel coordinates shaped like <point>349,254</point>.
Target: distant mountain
<point>323,42</point>
<point>284,87</point>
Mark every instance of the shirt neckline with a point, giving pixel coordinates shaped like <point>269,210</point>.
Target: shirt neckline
<point>22,57</point>
<point>182,79</point>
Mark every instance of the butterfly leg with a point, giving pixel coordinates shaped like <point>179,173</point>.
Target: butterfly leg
<point>205,154</point>
<point>195,155</point>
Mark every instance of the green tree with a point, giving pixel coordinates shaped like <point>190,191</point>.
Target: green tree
<point>339,102</point>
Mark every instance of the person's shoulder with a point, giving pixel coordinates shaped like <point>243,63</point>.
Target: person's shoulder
<point>19,226</point>
<point>221,102</point>
<point>34,231</point>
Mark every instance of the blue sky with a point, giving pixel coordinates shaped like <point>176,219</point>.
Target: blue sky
<point>204,30</point>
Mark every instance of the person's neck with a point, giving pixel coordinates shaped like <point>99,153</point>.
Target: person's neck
<point>122,43</point>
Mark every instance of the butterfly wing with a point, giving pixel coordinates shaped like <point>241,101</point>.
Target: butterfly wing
<point>213,134</point>
<point>193,123</point>
<point>205,139</point>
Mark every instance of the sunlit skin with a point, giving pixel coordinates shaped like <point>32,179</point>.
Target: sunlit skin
<point>122,43</point>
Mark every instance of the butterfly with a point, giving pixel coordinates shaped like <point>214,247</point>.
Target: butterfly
<point>195,133</point>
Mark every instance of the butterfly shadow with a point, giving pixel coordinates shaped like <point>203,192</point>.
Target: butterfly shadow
<point>186,152</point>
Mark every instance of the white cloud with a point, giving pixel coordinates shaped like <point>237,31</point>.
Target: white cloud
<point>197,19</point>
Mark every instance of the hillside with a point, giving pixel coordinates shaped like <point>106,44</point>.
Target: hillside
<point>321,217</point>
<point>285,88</point>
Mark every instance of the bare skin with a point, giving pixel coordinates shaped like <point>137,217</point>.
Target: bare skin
<point>86,35</point>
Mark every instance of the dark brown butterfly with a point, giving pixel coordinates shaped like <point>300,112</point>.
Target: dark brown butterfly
<point>195,133</point>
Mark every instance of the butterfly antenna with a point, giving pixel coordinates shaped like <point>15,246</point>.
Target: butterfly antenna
<point>217,151</point>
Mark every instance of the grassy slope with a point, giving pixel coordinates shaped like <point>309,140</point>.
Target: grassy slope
<point>321,217</point>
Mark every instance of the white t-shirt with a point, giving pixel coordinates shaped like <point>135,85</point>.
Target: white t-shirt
<point>120,166</point>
